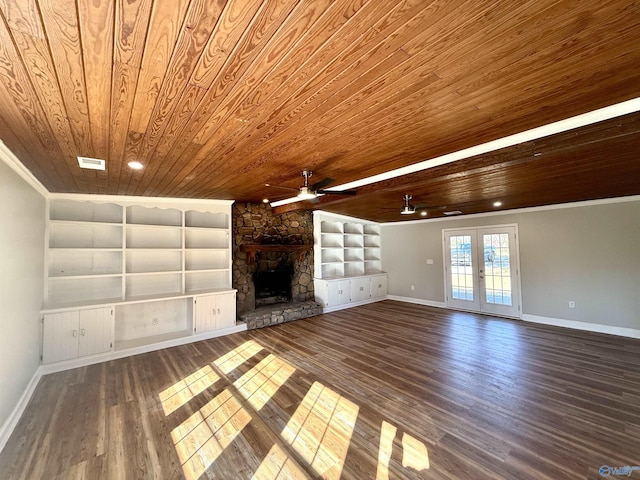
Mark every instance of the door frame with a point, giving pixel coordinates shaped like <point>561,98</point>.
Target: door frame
<point>518,271</point>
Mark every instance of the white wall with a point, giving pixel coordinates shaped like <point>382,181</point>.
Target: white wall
<point>589,254</point>
<point>22,224</point>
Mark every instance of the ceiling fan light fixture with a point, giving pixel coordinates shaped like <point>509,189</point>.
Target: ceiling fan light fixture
<point>306,193</point>
<point>408,210</point>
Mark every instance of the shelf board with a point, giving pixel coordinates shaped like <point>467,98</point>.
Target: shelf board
<point>85,275</point>
<point>214,229</point>
<point>208,291</point>
<point>105,302</point>
<point>200,270</point>
<point>159,272</point>
<point>154,249</point>
<point>84,249</point>
<point>140,342</point>
<point>152,225</point>
<point>87,223</point>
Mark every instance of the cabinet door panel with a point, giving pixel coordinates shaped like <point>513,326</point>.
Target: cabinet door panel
<point>60,340</point>
<point>95,331</point>
<point>333,289</point>
<point>226,310</point>
<point>379,286</point>
<point>343,292</point>
<point>360,289</point>
<point>205,313</point>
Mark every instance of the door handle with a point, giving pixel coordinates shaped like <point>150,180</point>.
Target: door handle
<point>82,332</point>
<point>75,333</point>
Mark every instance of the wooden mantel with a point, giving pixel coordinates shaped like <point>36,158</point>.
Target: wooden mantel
<point>251,250</point>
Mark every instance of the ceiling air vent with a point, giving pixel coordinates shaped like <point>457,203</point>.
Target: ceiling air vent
<point>91,163</point>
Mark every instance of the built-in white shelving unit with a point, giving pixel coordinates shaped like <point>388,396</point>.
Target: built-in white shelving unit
<point>146,260</point>
<point>347,257</point>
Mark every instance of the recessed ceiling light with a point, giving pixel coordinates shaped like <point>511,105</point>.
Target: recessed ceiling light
<point>497,204</point>
<point>424,213</point>
<point>91,163</point>
<point>135,165</point>
<point>265,200</point>
<point>453,212</point>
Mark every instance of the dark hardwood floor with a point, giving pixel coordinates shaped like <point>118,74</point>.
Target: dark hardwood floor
<point>387,390</point>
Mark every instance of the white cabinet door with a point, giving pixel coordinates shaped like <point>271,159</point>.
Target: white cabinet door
<point>95,332</point>
<point>337,292</point>
<point>60,338</point>
<point>360,289</point>
<point>205,307</point>
<point>225,310</point>
<point>77,333</point>
<point>379,286</point>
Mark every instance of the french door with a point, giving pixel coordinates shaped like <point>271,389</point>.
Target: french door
<point>481,270</point>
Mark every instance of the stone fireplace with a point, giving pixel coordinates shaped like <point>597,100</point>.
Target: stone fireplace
<point>272,265</point>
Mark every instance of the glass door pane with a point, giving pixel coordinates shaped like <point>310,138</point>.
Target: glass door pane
<point>462,281</point>
<point>498,271</point>
<point>481,270</point>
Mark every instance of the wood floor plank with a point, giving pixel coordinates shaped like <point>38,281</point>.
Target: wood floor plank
<point>432,393</point>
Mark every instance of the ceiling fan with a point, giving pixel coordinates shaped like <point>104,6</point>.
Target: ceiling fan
<point>311,192</point>
<point>408,208</point>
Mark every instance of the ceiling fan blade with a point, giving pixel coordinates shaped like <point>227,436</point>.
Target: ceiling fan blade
<point>325,182</point>
<point>336,192</point>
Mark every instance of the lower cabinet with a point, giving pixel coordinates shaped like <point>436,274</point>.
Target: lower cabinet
<point>379,286</point>
<point>339,293</point>
<point>78,333</point>
<point>360,289</point>
<point>135,327</point>
<point>214,312</point>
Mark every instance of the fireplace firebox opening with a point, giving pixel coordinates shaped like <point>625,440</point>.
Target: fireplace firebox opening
<point>273,286</point>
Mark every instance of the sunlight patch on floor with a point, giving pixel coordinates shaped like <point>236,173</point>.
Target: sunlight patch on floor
<point>261,383</point>
<point>201,438</point>
<point>387,435</point>
<point>237,356</point>
<point>278,465</point>
<point>320,430</point>
<point>414,453</point>
<point>183,391</point>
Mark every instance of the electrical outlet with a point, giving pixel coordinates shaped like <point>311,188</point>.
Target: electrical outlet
<point>154,321</point>
<point>413,287</point>
<point>572,304</point>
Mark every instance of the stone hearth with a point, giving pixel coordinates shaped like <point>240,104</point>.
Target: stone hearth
<point>255,224</point>
<point>279,313</point>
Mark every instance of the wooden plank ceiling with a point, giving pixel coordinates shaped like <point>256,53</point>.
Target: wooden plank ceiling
<point>217,98</point>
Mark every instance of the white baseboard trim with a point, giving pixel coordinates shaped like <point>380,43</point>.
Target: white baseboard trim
<point>351,304</point>
<point>590,327</point>
<point>418,301</point>
<point>7,428</point>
